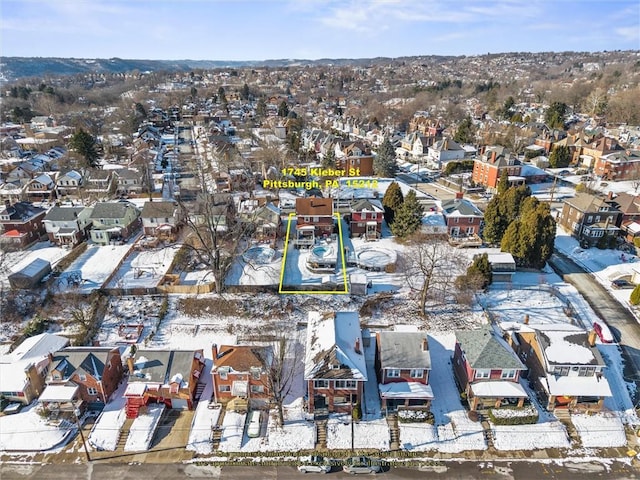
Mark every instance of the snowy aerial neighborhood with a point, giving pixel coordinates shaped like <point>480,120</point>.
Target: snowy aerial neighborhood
<point>248,266</point>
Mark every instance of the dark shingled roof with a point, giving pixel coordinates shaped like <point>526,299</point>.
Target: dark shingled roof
<point>485,350</point>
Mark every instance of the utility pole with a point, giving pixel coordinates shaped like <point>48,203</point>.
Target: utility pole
<point>84,443</point>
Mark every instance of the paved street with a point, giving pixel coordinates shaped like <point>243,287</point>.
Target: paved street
<point>450,470</point>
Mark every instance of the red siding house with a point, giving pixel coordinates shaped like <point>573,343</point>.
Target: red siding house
<point>404,364</point>
<point>366,219</point>
<point>487,370</point>
<point>335,368</point>
<point>463,220</point>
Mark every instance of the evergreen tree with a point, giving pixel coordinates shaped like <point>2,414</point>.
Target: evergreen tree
<point>465,131</point>
<point>392,201</point>
<point>503,183</point>
<point>554,116</point>
<point>244,92</point>
<point>384,163</point>
<point>261,108</point>
<point>482,268</point>
<point>85,145</point>
<point>408,218</point>
<point>495,223</point>
<point>283,109</point>
<point>222,97</point>
<point>329,159</point>
<point>560,157</point>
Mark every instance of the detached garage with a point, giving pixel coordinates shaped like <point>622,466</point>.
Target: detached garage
<point>31,275</point>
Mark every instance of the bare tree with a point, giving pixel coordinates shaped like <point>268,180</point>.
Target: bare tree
<point>430,266</point>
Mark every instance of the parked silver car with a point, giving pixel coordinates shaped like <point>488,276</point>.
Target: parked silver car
<point>355,465</point>
<point>315,464</point>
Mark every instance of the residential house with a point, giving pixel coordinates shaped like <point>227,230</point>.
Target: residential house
<point>100,183</point>
<point>416,144</point>
<point>41,188</point>
<point>629,206</point>
<point>69,183</point>
<point>10,193</point>
<point>21,225</point>
<point>314,219</point>
<point>163,376</point>
<point>67,225</point>
<point>365,218</point>
<point>23,371</point>
<point>463,220</point>
<point>161,219</point>
<point>618,166</point>
<point>488,168</point>
<point>129,181</point>
<point>113,221</point>
<point>356,166</point>
<point>267,221</point>
<point>487,370</point>
<point>334,369</point>
<point>403,363</point>
<point>564,365</point>
<point>96,371</point>
<point>215,211</point>
<point>240,375</point>
<point>590,219</point>
<point>445,150</point>
<point>503,266</point>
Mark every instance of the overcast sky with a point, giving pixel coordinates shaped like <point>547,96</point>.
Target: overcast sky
<point>311,29</point>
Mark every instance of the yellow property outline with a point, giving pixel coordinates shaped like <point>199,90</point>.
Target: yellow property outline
<point>314,292</point>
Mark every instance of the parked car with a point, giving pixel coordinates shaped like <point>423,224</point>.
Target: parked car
<point>253,426</point>
<point>355,465</point>
<point>603,332</point>
<point>622,283</point>
<point>315,464</point>
<point>13,408</point>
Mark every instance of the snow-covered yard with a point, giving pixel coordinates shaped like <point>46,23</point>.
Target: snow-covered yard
<point>143,428</point>
<point>106,431</point>
<point>232,432</point>
<point>373,434</point>
<point>602,430</point>
<point>143,269</point>
<point>28,431</point>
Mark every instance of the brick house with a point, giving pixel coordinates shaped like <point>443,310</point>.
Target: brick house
<point>619,165</point>
<point>334,368</point>
<point>97,372</point>
<point>21,225</point>
<point>241,372</point>
<point>360,163</point>
<point>629,207</point>
<point>589,218</point>
<point>314,220</point>
<point>365,219</point>
<point>490,165</point>
<point>487,370</point>
<point>463,219</point>
<point>162,376</point>
<point>403,363</point>
<point>564,365</point>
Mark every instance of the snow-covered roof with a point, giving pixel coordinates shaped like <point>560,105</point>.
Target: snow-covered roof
<point>334,344</point>
<point>498,389</point>
<point>594,386</point>
<point>35,347</point>
<point>59,393</point>
<point>405,390</point>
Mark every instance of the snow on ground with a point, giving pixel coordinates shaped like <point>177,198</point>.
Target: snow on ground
<point>144,269</point>
<point>530,437</point>
<point>106,431</point>
<point>368,434</point>
<point>298,433</point>
<point>143,428</point>
<point>204,418</point>
<point>232,431</point>
<point>28,431</point>
<point>603,430</point>
<point>418,436</point>
<point>95,265</point>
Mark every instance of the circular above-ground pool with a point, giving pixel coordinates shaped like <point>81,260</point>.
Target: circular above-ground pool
<point>323,252</point>
<point>376,259</point>
<point>259,254</point>
<point>322,258</point>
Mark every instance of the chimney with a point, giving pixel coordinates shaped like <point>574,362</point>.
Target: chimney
<point>214,351</point>
<point>610,195</point>
<point>526,319</point>
<point>459,195</point>
<point>130,365</point>
<point>592,337</point>
<point>493,156</point>
<point>357,346</point>
<point>425,344</point>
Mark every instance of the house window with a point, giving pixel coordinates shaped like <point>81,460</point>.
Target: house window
<point>321,384</point>
<point>347,384</point>
<point>562,371</point>
<point>597,218</point>
<point>83,378</point>
<point>92,391</point>
<point>255,373</point>
<point>586,371</point>
<point>257,389</point>
<point>482,373</point>
<point>152,220</point>
<point>224,388</point>
<point>590,219</point>
<point>456,220</point>
<point>393,373</point>
<point>470,230</point>
<point>223,372</point>
<point>416,373</point>
<point>508,374</point>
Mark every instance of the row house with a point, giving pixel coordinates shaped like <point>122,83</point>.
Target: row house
<point>129,181</point>
<point>589,218</point>
<point>240,375</point>
<point>168,377</point>
<point>487,370</point>
<point>24,370</point>
<point>314,219</point>
<point>21,225</point>
<point>113,221</point>
<point>564,365</point>
<point>69,183</point>
<point>427,126</point>
<point>100,182</point>
<point>488,168</point>
<point>67,225</point>
<point>403,363</point>
<point>416,144</point>
<point>334,368</point>
<point>95,371</point>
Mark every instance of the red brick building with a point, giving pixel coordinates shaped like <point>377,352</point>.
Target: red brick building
<point>21,225</point>
<point>314,219</point>
<point>490,165</point>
